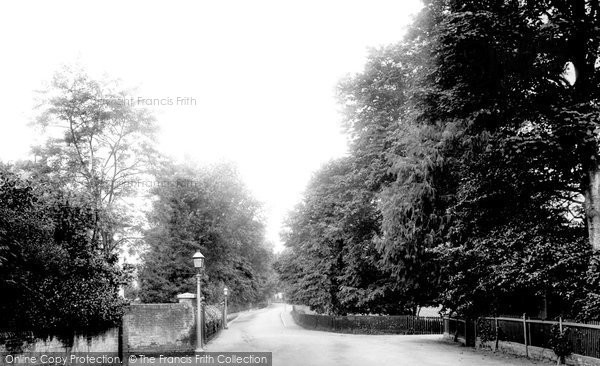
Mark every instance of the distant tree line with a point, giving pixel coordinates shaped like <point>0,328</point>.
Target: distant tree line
<point>473,175</point>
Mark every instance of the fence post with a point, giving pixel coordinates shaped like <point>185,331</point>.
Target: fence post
<point>496,322</point>
<point>525,334</point>
<point>475,330</point>
<point>560,326</point>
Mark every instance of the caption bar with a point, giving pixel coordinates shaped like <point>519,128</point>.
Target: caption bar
<point>99,358</point>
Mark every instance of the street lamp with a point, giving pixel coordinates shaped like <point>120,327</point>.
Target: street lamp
<point>199,264</point>
<point>226,293</point>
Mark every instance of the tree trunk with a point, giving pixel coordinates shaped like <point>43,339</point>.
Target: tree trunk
<point>584,68</point>
<point>592,207</point>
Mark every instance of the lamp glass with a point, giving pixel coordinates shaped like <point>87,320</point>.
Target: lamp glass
<point>225,291</point>
<point>198,260</point>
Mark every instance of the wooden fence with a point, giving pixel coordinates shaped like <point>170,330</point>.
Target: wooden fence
<point>584,337</point>
<point>359,324</point>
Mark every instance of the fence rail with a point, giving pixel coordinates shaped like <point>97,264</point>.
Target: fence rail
<point>393,324</point>
<point>584,337</point>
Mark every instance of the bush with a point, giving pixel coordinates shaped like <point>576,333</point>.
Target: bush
<point>560,343</point>
<point>54,279</point>
<point>485,330</point>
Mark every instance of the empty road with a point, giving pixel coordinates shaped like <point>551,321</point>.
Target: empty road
<point>273,330</point>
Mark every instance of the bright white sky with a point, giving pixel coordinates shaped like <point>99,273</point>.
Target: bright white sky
<point>263,74</point>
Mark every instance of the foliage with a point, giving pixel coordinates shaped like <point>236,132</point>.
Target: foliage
<point>51,276</point>
<point>560,343</point>
<point>331,263</point>
<point>590,303</point>
<point>485,175</point>
<point>485,330</point>
<point>97,144</point>
<point>515,271</point>
<point>477,154</point>
<point>516,224</point>
<point>207,210</point>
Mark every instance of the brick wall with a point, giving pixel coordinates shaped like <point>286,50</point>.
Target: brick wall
<point>159,328</point>
<point>26,342</point>
<point>146,328</point>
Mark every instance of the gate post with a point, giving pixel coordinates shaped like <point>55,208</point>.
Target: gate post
<point>496,322</point>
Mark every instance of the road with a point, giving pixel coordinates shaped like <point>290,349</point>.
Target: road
<point>273,330</point>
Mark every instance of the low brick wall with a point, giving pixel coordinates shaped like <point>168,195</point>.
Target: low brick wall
<point>159,328</point>
<point>26,342</point>
<point>146,328</point>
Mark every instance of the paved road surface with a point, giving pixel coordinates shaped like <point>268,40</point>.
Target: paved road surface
<point>273,330</point>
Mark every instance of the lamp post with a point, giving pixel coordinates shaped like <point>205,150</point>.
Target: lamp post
<point>199,264</point>
<point>226,293</point>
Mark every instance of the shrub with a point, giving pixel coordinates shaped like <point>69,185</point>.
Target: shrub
<point>560,343</point>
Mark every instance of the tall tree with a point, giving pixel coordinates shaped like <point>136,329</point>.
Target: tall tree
<point>502,140</point>
<point>210,210</point>
<point>473,138</point>
<point>477,152</point>
<point>98,144</point>
<point>376,106</point>
<point>331,262</point>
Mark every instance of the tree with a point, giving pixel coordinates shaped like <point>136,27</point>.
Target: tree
<point>207,210</point>
<point>331,262</point>
<point>468,135</point>
<point>477,154</point>
<point>51,277</point>
<point>495,142</point>
<point>99,143</point>
<point>377,104</point>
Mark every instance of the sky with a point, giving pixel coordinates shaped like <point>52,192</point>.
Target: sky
<point>259,76</point>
